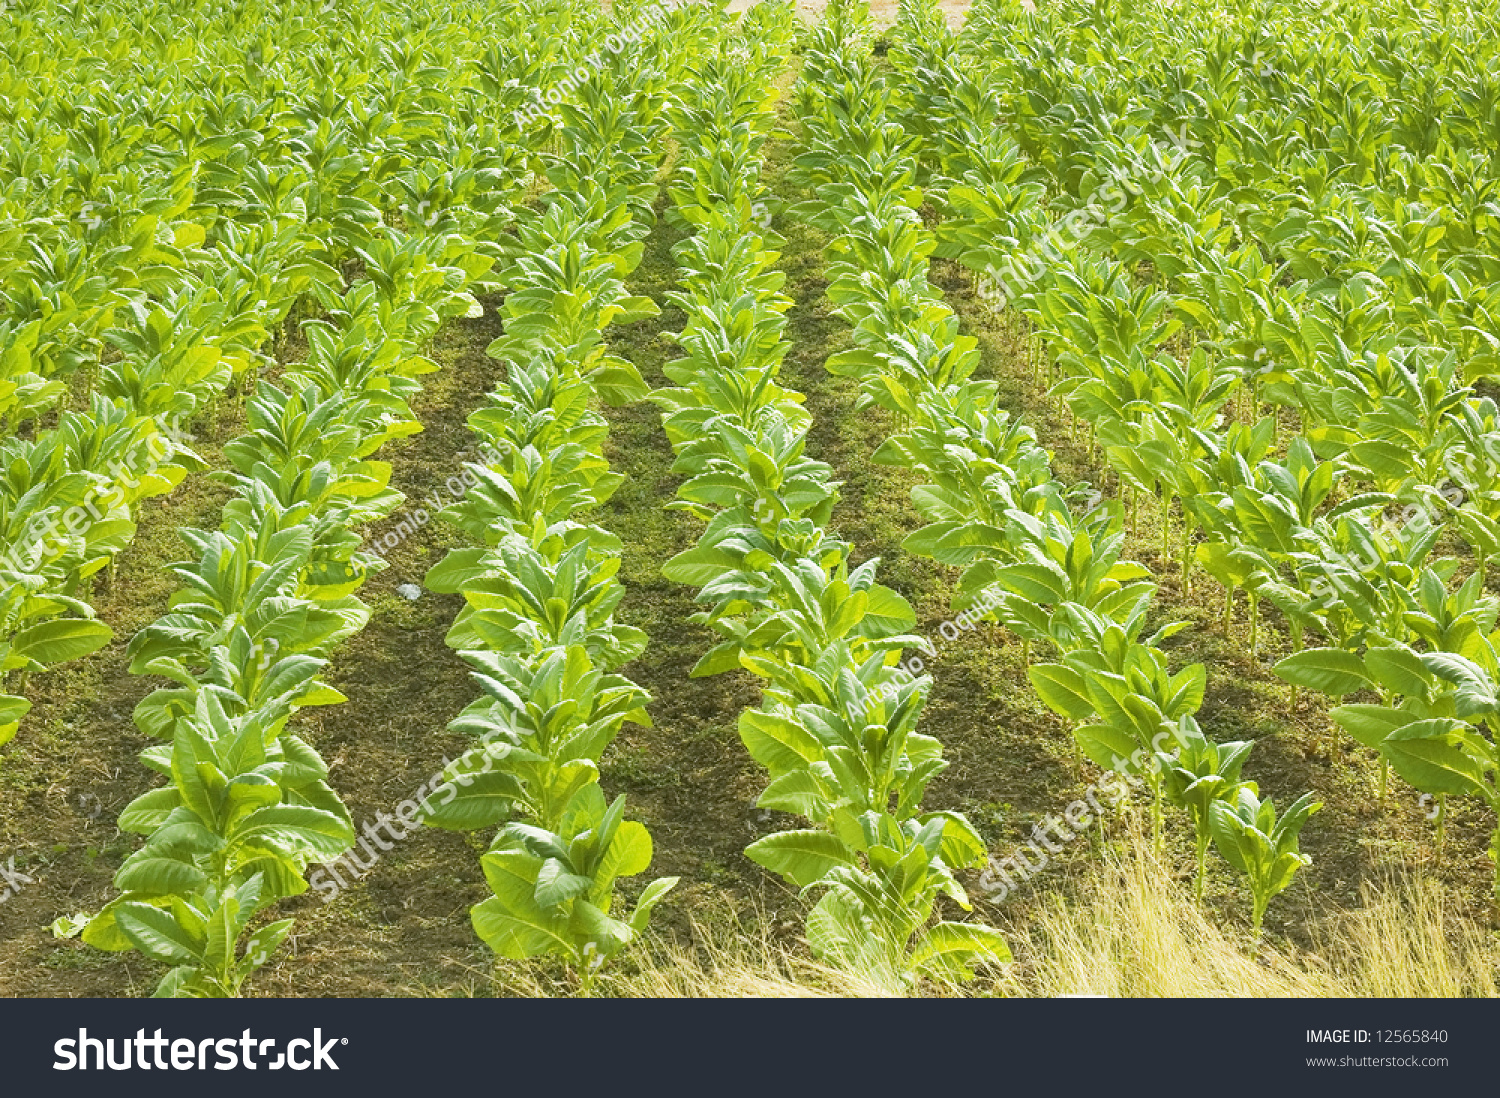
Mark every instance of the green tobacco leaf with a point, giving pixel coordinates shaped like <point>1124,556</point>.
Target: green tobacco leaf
<point>1062,689</point>
<point>53,642</point>
<point>156,934</point>
<point>1369,724</point>
<point>800,856</point>
<point>482,800</point>
<point>12,709</point>
<point>1327,670</point>
<point>953,949</point>
<point>1431,756</point>
<point>652,896</point>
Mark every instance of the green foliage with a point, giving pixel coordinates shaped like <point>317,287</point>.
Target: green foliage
<point>836,728</point>
<point>1250,836</point>
<point>269,235</point>
<point>540,586</point>
<point>1196,777</point>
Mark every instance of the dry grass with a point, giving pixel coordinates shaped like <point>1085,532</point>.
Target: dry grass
<point>1404,944</point>
<point>741,965</point>
<point>1139,935</point>
<point>1135,934</point>
<point>729,959</point>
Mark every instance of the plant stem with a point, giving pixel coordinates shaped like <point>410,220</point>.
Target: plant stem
<point>1442,823</point>
<point>1254,625</point>
<point>1187,547</point>
<point>1166,506</point>
<point>1156,812</point>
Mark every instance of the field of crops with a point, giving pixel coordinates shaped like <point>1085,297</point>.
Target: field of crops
<point>532,496</point>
